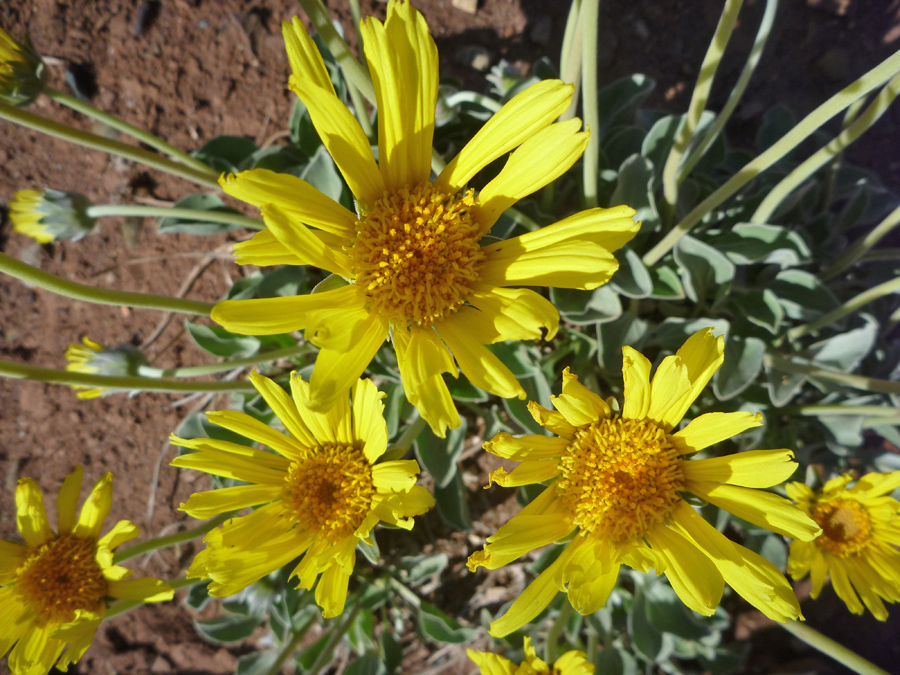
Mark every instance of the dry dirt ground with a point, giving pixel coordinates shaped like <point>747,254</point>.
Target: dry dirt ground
<point>203,68</point>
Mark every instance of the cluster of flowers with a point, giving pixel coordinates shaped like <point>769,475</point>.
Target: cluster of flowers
<point>411,266</point>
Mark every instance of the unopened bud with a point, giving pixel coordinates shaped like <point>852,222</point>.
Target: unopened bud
<point>22,71</point>
<point>51,215</point>
<point>95,358</point>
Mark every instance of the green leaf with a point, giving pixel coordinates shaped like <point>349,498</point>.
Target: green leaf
<point>619,101</point>
<point>583,308</point>
<point>626,330</point>
<point>463,390</point>
<point>648,640</point>
<point>228,627</point>
<point>762,309</point>
<point>748,243</point>
<point>257,663</point>
<point>704,271</point>
<point>783,386</point>
<point>776,123</point>
<point>634,188</point>
<point>438,627</point>
<point>451,503</point>
<point>303,133</point>
<point>622,144</point>
<point>632,278</point>
<point>322,174</point>
<point>666,284</point>
<point>279,158</point>
<point>201,201</point>
<point>658,143</point>
<point>198,596</point>
<point>614,661</point>
<point>370,551</point>
<point>847,350</point>
<point>417,569</point>
<point>743,363</point>
<point>674,331</point>
<point>801,295</point>
<point>393,652</point>
<point>226,153</point>
<point>369,664</point>
<point>220,342</point>
<point>668,614</point>
<point>309,654</point>
<point>439,456</point>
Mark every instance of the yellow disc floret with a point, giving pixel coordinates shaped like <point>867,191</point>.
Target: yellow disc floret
<point>60,577</point>
<point>331,490</point>
<point>416,254</point>
<point>846,526</point>
<point>619,477</point>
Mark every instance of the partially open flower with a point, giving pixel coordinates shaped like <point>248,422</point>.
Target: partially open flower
<point>54,587</point>
<point>95,358</point>
<point>51,215</point>
<point>570,663</point>
<point>22,72</point>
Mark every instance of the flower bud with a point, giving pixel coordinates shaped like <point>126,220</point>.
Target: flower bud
<point>51,215</point>
<point>22,71</point>
<point>95,358</point>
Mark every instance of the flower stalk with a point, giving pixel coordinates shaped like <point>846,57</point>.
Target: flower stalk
<point>590,14</point>
<point>225,366</point>
<point>829,647</point>
<point>123,606</point>
<point>849,307</point>
<point>139,211</point>
<point>170,540</point>
<point>859,248</point>
<point>872,384</point>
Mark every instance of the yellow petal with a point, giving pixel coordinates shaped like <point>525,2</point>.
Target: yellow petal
<point>67,501</point>
<point>403,62</point>
<point>878,484</point>
<point>713,428</point>
<point>303,55</point>
<point>527,473</point>
<point>573,253</point>
<point>95,509</point>
<point>517,121</point>
<point>31,517</point>
<point>145,590</point>
<point>551,420</point>
<point>800,558</point>
<point>491,664</point>
<point>799,492</point>
<point>433,401</point>
<point>286,409</point>
<point>421,355</point>
<point>272,316</point>
<point>842,586</point>
<point>203,505</point>
<point>263,249</point>
<point>341,326</point>
<point>397,476</point>
<point>760,508</point>
<point>335,373</point>
<point>36,651</point>
<point>478,363</point>
<point>636,372</point>
<point>670,388</point>
<point>122,531</point>
<point>526,447</point>
<point>299,199</point>
<point>524,533</point>
<point>319,423</point>
<point>818,573</point>
<point>11,556</point>
<point>235,569</point>
<point>578,404</point>
<point>14,615</point>
<point>693,576</point>
<point>331,592</point>
<point>590,574</point>
<point>554,148</point>
<point>303,243</point>
<point>499,314</point>
<point>751,469</point>
<point>252,428</point>
<point>369,425</point>
<point>229,465</point>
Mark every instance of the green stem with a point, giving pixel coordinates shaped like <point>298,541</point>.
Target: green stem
<point>551,647</point>
<point>487,102</point>
<point>829,647</point>
<point>860,247</point>
<point>95,142</point>
<point>352,69</point>
<point>333,639</point>
<point>291,646</point>
<point>591,161</point>
<point>699,97</point>
<point>881,254</point>
<point>171,540</point>
<point>213,216</point>
<point>143,136</point>
<point>849,307</point>
<point>824,155</point>
<point>123,606</point>
<point>837,103</point>
<point>411,433</point>
<point>759,44</point>
<point>570,64</point>
<point>862,382</point>
<point>224,366</point>
<point>20,371</point>
<point>101,296</point>
<point>837,410</point>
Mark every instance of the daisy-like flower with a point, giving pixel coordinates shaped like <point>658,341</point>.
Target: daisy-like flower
<point>50,215</point>
<point>570,663</point>
<point>320,495</point>
<point>859,540</point>
<point>54,587</point>
<point>618,486</point>
<point>22,71</point>
<point>94,358</point>
<point>419,270</point>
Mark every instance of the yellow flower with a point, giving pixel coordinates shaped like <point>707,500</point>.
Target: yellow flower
<point>570,663</point>
<point>53,589</point>
<point>22,72</point>
<point>92,357</point>
<point>857,547</point>
<point>50,215</point>
<point>321,494</point>
<point>421,272</point>
<point>618,481</point>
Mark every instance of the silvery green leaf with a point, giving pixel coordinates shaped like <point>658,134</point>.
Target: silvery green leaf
<point>705,272</point>
<point>666,283</point>
<point>201,202</point>
<point>743,363</point>
<point>583,308</point>
<point>802,295</point>
<point>622,143</point>
<point>748,243</point>
<point>847,350</point>
<point>227,153</point>
<point>783,386</point>
<point>618,101</point>
<point>674,331</point>
<point>634,187</point>
<point>322,174</point>
<point>611,336</point>
<point>451,503</point>
<point>762,309</point>
<point>632,278</point>
<point>438,455</point>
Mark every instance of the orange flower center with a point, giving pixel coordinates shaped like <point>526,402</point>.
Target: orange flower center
<point>331,490</point>
<point>416,254</point>
<point>846,526</point>
<point>60,577</point>
<point>620,477</point>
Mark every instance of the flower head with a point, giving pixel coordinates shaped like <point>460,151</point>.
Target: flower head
<point>322,493</point>
<point>93,357</point>
<point>859,540</point>
<point>22,72</point>
<point>570,663</point>
<point>420,272</point>
<point>618,481</point>
<point>50,215</point>
<point>54,587</point>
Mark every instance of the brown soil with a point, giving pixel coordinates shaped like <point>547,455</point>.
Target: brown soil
<point>203,69</point>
